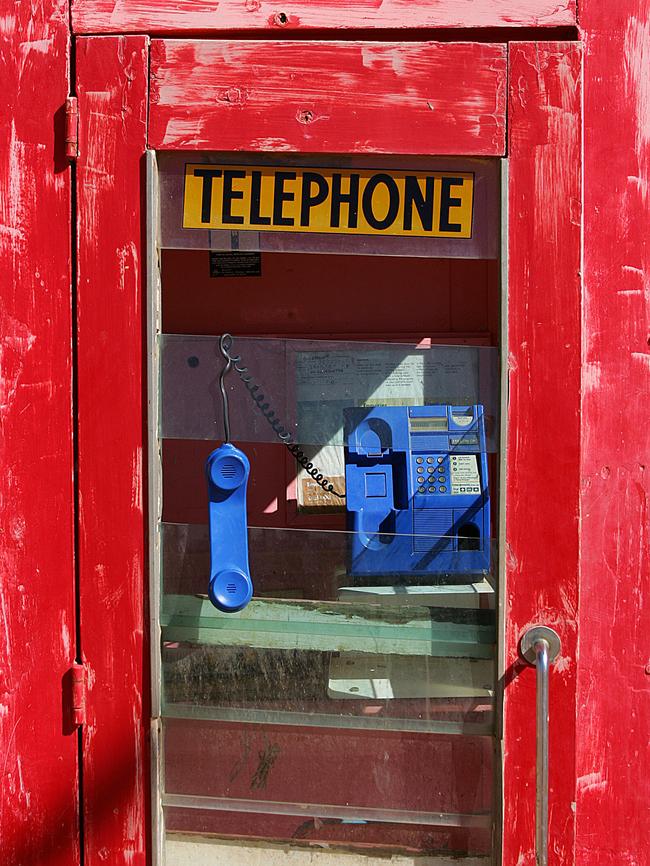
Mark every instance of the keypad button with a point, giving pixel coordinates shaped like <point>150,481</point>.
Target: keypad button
<point>432,489</point>
<point>422,489</point>
<point>443,489</point>
<point>442,479</point>
<point>419,459</point>
<point>429,459</point>
<point>430,469</point>
<point>420,479</point>
<point>442,459</point>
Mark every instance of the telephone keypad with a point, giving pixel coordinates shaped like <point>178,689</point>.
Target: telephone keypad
<point>436,473</point>
<point>437,469</point>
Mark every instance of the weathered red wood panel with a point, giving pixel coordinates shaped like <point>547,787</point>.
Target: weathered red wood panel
<point>613,748</point>
<point>173,16</point>
<point>544,435</point>
<point>350,97</point>
<point>38,745</point>
<point>112,89</point>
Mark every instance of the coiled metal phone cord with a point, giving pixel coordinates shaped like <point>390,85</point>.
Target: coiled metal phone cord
<point>226,342</point>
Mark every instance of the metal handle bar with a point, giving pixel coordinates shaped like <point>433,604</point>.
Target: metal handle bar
<point>540,646</point>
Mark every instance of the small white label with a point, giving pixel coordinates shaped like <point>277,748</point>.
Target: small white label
<point>464,473</point>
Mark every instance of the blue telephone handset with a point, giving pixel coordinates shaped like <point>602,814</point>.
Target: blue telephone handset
<point>227,470</point>
<point>416,481</point>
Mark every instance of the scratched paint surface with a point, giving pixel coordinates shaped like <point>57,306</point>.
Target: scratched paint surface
<point>112,88</point>
<point>154,16</point>
<point>320,97</point>
<point>544,436</point>
<point>38,746</point>
<point>613,748</point>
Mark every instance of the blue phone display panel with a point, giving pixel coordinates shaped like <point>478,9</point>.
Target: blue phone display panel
<point>227,470</point>
<point>417,490</point>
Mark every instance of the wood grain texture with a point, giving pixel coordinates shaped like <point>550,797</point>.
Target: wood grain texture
<point>542,494</point>
<point>38,744</point>
<point>175,16</point>
<point>112,92</point>
<point>374,97</point>
<point>613,748</point>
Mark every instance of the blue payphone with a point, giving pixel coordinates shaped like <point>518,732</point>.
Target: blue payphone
<point>417,490</point>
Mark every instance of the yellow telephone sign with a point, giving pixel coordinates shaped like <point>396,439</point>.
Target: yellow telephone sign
<point>434,204</point>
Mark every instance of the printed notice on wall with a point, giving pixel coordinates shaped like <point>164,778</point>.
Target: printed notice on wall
<point>329,382</point>
<point>464,474</point>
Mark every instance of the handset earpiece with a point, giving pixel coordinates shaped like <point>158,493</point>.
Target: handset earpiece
<point>227,470</point>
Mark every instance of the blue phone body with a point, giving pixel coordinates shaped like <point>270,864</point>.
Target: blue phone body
<point>417,492</point>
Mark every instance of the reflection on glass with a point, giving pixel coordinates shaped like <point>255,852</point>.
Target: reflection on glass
<point>318,647</point>
<point>483,242</point>
<point>338,775</point>
<point>309,383</point>
<point>316,564</point>
<point>319,839</point>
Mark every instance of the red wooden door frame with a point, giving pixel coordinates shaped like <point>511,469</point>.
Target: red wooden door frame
<point>542,544</point>
<point>544,329</point>
<point>112,91</point>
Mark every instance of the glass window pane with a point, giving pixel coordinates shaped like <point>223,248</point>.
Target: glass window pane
<point>351,702</point>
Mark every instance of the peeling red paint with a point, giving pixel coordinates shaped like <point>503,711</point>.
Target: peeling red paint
<point>367,97</point>
<point>176,16</point>
<point>543,429</point>
<point>112,92</point>
<point>38,750</point>
<point>613,748</point>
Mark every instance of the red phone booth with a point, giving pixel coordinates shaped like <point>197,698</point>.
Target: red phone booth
<point>345,709</point>
<point>359,259</point>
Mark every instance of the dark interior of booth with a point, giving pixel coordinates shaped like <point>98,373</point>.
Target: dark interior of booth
<point>368,298</point>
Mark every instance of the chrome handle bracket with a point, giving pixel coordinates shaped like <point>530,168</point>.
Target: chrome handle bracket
<point>535,634</point>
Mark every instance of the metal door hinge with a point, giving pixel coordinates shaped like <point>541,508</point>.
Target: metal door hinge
<point>78,695</point>
<point>71,128</point>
